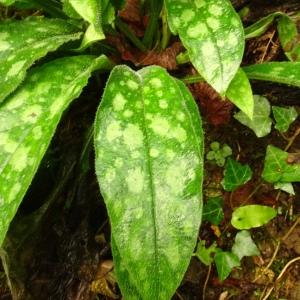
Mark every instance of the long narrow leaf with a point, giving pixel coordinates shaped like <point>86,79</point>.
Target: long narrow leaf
<point>149,156</point>
<point>213,34</point>
<point>23,42</point>
<point>28,119</point>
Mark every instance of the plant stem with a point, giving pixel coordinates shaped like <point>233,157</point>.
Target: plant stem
<point>166,34</point>
<point>52,7</point>
<point>183,58</point>
<point>129,34</point>
<point>192,79</point>
<point>154,12</point>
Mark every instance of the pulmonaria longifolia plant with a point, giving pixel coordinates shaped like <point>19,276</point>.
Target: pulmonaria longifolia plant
<point>148,133</point>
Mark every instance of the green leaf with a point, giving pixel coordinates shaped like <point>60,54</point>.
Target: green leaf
<point>149,163</point>
<point>7,2</point>
<point>205,254</point>
<point>235,175</point>
<point>289,38</point>
<point>244,245</point>
<point>286,187</point>
<point>225,262</point>
<point>213,34</point>
<point>284,117</point>
<point>251,216</point>
<point>90,11</point>
<point>261,26</point>
<point>276,168</point>
<point>261,122</point>
<point>240,93</point>
<point>28,119</point>
<point>281,72</point>
<point>23,42</point>
<point>213,210</point>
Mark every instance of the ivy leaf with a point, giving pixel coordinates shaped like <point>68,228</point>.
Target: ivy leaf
<point>225,262</point>
<point>261,26</point>
<point>149,163</point>
<point>244,245</point>
<point>235,175</point>
<point>213,210</point>
<point>277,169</point>
<point>23,42</point>
<point>286,187</point>
<point>289,38</point>
<point>213,34</point>
<point>28,119</point>
<point>281,72</point>
<point>284,117</point>
<point>251,216</point>
<point>205,254</point>
<point>240,93</point>
<point>261,122</point>
<point>90,11</point>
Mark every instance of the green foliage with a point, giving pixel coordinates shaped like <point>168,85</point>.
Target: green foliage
<point>213,210</point>
<point>225,262</point>
<point>28,119</point>
<point>261,122</point>
<point>251,216</point>
<point>149,156</point>
<point>284,117</point>
<point>218,154</point>
<point>281,72</point>
<point>23,42</point>
<point>90,11</point>
<point>277,169</point>
<point>213,34</point>
<point>240,93</point>
<point>235,175</point>
<point>205,254</point>
<point>244,245</point>
<point>261,26</point>
<point>289,38</point>
<point>285,186</point>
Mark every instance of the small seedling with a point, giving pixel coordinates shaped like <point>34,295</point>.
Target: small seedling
<point>218,154</point>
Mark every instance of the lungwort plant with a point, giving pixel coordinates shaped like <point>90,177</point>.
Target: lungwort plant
<point>148,136</point>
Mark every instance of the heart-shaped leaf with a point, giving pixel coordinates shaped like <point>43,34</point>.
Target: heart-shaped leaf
<point>235,175</point>
<point>205,254</point>
<point>213,34</point>
<point>213,210</point>
<point>281,72</point>
<point>277,168</point>
<point>261,122</point>
<point>244,245</point>
<point>23,42</point>
<point>251,216</point>
<point>284,117</point>
<point>149,163</point>
<point>28,119</point>
<point>240,93</point>
<point>225,262</point>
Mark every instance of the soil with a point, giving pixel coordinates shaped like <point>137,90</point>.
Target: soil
<point>58,246</point>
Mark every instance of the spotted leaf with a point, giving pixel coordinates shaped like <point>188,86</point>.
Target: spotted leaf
<point>240,93</point>
<point>28,119</point>
<point>149,163</point>
<point>23,42</point>
<point>90,11</point>
<point>213,34</point>
<point>281,72</point>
